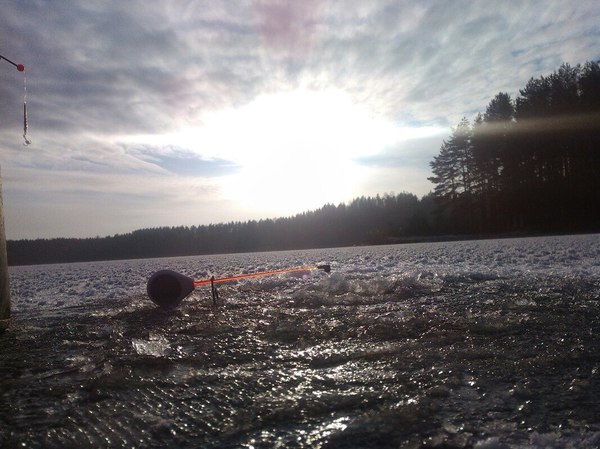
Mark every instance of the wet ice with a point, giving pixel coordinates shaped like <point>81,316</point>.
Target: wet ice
<point>465,344</point>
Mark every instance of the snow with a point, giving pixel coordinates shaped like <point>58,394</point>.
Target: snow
<point>364,271</point>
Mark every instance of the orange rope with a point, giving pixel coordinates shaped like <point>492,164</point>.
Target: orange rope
<point>253,275</point>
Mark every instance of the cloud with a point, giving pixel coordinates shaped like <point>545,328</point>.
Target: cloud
<point>413,153</point>
<point>181,162</point>
<point>102,74</point>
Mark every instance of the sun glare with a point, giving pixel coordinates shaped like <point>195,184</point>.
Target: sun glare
<point>296,150</point>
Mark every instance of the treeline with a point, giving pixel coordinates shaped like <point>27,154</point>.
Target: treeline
<point>528,164</point>
<point>382,219</point>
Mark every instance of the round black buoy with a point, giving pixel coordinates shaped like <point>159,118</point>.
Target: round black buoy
<point>167,288</point>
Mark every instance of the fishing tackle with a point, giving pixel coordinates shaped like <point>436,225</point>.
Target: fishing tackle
<point>25,124</point>
<point>21,68</point>
<point>167,288</point>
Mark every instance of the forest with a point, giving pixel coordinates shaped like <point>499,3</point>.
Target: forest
<point>364,221</point>
<point>531,164</point>
<point>528,165</point>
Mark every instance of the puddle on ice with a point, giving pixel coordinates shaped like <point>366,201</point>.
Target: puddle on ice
<point>491,344</point>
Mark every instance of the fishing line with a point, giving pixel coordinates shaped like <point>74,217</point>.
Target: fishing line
<point>25,123</point>
<point>21,68</point>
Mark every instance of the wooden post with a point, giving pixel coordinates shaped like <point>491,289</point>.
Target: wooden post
<point>4,281</point>
<point>4,285</point>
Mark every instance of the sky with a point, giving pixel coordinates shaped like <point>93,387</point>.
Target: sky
<point>150,113</point>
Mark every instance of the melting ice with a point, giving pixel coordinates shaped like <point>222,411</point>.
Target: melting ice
<point>483,344</point>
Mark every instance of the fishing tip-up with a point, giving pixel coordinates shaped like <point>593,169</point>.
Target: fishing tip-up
<point>167,288</point>
<point>20,67</point>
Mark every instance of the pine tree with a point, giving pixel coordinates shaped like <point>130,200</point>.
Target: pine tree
<point>452,169</point>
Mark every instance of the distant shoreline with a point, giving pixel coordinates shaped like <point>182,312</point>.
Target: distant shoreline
<point>496,236</point>
<point>389,241</point>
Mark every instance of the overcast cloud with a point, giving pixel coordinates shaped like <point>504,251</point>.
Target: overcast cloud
<point>162,113</point>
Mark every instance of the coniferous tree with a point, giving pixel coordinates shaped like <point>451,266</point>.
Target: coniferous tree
<point>452,170</point>
<point>504,158</point>
<point>535,161</point>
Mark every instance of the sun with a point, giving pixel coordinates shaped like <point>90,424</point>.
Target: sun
<point>282,188</point>
<point>295,150</point>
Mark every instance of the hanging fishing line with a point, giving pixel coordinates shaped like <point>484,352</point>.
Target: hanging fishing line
<point>25,124</point>
<point>21,68</point>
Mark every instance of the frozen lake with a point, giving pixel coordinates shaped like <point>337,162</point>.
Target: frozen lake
<point>484,344</point>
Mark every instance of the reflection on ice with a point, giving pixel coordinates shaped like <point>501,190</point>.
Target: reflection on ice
<point>156,345</point>
<point>488,344</point>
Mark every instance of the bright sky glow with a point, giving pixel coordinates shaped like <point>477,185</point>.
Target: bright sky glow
<point>296,150</point>
<point>174,112</point>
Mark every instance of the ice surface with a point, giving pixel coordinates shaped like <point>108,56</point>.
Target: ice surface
<point>486,344</point>
<point>155,345</point>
